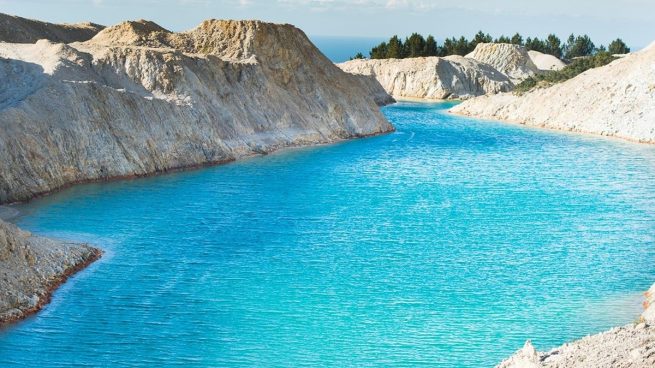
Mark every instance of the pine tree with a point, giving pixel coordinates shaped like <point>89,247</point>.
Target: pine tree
<point>414,46</point>
<point>395,48</point>
<point>579,46</point>
<point>517,39</point>
<point>380,51</point>
<point>480,37</point>
<point>431,48</point>
<point>618,47</point>
<point>554,46</point>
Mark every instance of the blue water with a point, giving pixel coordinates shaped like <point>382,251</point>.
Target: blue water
<point>340,49</point>
<point>447,243</point>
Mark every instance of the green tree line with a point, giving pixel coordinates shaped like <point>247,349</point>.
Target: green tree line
<point>416,46</point>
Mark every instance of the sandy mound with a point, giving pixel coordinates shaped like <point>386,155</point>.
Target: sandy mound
<point>432,77</point>
<point>511,60</point>
<point>614,100</point>
<point>546,61</point>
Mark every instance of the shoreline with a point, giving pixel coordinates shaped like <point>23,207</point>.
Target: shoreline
<point>7,205</point>
<point>54,285</point>
<point>527,125</point>
<point>425,100</point>
<point>630,345</point>
<point>571,131</point>
<point>8,213</point>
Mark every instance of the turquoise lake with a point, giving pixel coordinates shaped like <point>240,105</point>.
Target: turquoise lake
<point>447,243</point>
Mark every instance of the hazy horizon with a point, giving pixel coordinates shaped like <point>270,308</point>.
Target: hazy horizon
<point>602,20</point>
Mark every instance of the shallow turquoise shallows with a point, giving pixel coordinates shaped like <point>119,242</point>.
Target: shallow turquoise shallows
<point>447,243</point>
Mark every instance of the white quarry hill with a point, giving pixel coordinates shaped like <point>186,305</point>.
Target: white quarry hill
<point>137,99</point>
<point>546,62</point>
<point>615,100</point>
<point>511,60</point>
<point>432,78</point>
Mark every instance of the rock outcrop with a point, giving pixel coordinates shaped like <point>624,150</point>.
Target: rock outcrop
<point>15,29</point>
<point>31,267</point>
<point>511,60</point>
<point>629,346</point>
<point>546,62</point>
<point>432,78</point>
<point>614,100</point>
<point>137,99</point>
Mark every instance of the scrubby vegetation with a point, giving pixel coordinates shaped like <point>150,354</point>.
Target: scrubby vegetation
<point>416,46</point>
<point>576,67</point>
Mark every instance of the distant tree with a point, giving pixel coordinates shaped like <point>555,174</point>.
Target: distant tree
<point>579,46</point>
<point>448,47</point>
<point>553,45</point>
<point>431,48</point>
<point>414,46</point>
<point>379,51</point>
<point>570,41</point>
<point>601,48</point>
<point>395,48</point>
<point>535,44</point>
<point>517,39</point>
<point>358,55</point>
<point>618,47</point>
<point>480,37</point>
<point>462,47</point>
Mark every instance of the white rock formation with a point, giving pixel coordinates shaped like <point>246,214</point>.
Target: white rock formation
<point>137,99</point>
<point>511,60</point>
<point>615,100</point>
<point>546,62</point>
<point>432,78</point>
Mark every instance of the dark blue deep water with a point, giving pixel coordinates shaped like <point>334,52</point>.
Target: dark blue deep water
<point>447,243</point>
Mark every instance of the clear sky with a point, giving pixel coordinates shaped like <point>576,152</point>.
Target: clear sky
<point>603,20</point>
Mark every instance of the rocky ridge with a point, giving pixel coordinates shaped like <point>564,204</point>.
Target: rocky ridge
<point>614,100</point>
<point>15,29</point>
<point>137,99</point>
<point>511,60</point>
<point>432,78</point>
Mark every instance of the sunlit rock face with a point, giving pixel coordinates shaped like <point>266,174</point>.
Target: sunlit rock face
<point>614,100</point>
<point>137,99</point>
<point>432,78</point>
